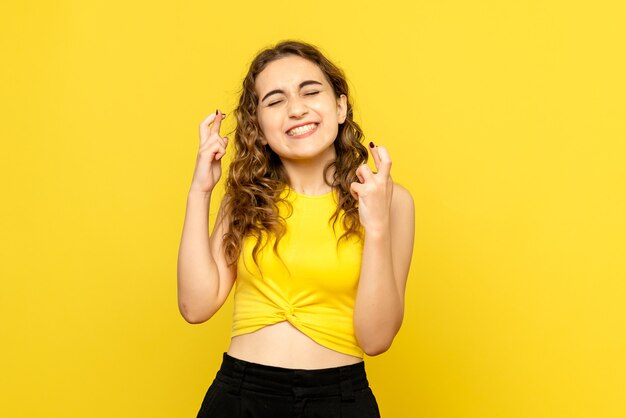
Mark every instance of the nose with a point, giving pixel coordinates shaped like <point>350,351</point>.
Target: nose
<point>297,108</point>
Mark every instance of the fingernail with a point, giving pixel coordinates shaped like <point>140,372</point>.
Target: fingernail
<point>216,111</point>
<point>371,145</point>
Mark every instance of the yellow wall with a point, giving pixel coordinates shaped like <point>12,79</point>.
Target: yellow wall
<point>506,120</point>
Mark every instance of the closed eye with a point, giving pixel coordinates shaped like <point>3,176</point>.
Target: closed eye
<point>311,93</point>
<point>273,103</point>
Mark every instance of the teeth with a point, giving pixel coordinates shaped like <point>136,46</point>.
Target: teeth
<point>301,129</point>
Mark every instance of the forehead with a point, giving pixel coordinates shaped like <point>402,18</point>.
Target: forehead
<point>287,72</point>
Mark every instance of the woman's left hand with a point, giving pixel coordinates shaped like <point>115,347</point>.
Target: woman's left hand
<point>374,191</point>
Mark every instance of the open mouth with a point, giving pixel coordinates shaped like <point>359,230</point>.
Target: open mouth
<point>301,130</point>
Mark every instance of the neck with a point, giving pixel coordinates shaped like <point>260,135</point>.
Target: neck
<point>307,176</point>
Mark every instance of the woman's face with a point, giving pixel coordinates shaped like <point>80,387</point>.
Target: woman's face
<point>297,110</point>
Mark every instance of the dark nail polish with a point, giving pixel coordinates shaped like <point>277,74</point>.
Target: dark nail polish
<point>216,111</point>
<point>371,145</point>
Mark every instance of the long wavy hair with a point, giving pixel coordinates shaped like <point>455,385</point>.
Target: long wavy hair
<point>257,177</point>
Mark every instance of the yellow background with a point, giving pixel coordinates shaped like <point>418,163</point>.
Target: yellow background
<point>506,121</point>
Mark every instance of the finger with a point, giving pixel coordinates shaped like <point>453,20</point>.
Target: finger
<point>375,156</point>
<point>215,150</point>
<point>354,189</point>
<point>217,122</point>
<point>213,147</point>
<point>359,175</point>
<point>211,144</point>
<point>384,161</point>
<point>205,127</point>
<point>364,173</point>
<point>220,153</point>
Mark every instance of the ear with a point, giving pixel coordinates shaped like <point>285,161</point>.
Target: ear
<point>342,108</point>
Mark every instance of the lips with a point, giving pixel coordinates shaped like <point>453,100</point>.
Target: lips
<point>302,129</point>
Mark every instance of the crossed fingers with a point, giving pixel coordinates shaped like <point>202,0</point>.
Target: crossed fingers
<point>366,177</point>
<point>210,129</point>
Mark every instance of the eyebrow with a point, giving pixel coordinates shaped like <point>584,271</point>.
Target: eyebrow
<point>278,91</point>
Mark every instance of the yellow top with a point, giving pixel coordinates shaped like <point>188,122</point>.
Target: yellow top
<point>314,287</point>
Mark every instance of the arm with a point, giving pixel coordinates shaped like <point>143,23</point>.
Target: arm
<point>388,216</point>
<point>204,278</point>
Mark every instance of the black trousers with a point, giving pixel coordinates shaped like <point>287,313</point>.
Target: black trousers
<point>243,389</point>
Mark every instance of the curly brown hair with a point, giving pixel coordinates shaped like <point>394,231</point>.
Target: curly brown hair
<point>257,177</point>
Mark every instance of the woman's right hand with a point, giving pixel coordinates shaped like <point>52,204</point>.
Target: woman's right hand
<point>212,148</point>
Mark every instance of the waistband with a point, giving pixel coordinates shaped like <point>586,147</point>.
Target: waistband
<point>336,381</point>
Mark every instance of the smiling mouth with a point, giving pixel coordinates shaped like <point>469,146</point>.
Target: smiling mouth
<point>301,130</point>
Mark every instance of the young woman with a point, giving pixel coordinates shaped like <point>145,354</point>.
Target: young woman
<point>317,245</point>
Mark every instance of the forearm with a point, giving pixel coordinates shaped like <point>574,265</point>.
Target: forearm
<point>379,306</point>
<point>198,277</point>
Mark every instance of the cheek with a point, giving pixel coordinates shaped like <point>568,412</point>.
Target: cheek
<point>329,108</point>
<point>266,121</point>
<point>330,113</point>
